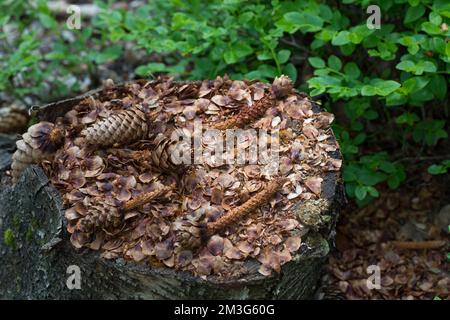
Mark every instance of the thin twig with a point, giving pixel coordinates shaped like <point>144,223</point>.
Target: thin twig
<point>419,245</point>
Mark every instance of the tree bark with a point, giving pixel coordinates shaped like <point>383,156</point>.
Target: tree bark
<point>35,250</point>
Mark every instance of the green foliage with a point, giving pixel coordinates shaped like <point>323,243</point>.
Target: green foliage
<point>388,86</point>
<point>9,238</point>
<point>31,66</point>
<point>439,168</point>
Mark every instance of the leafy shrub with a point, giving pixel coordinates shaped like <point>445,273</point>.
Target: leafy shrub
<point>387,86</point>
<point>440,168</point>
<point>41,57</point>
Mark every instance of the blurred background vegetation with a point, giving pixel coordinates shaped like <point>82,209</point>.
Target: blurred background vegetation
<point>388,87</point>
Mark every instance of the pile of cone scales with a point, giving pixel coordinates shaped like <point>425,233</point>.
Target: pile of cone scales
<point>125,196</point>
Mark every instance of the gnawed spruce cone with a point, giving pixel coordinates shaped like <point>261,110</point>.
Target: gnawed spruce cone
<point>100,216</point>
<point>37,144</point>
<point>171,154</point>
<point>281,87</point>
<point>13,118</point>
<point>246,208</point>
<point>119,128</point>
<point>146,197</point>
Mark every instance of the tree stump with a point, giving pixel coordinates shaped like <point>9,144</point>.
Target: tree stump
<point>35,250</point>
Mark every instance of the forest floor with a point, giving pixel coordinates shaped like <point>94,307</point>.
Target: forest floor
<point>383,234</point>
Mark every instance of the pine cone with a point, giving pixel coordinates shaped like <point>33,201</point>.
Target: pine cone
<point>171,154</point>
<point>100,216</point>
<point>13,118</point>
<point>39,143</point>
<point>280,88</point>
<point>122,127</point>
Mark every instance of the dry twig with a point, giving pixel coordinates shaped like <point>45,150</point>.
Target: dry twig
<point>419,245</point>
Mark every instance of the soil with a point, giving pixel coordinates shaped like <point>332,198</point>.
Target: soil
<point>416,213</point>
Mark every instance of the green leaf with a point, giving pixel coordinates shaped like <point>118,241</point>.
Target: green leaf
<point>438,86</point>
<point>387,167</point>
<point>359,33</point>
<point>264,71</point>
<point>414,84</point>
<point>360,138</point>
<point>291,71</point>
<point>413,2</point>
<point>435,18</point>
<point>316,62</point>
<point>396,99</point>
<point>438,45</point>
<point>411,43</point>
<point>236,52</point>
<point>372,191</point>
<point>109,54</point>
<point>360,192</point>
<point>230,56</point>
<point>343,37</point>
<point>304,21</point>
<point>383,88</point>
<point>414,13</point>
<point>334,63</point>
<point>407,118</point>
<point>283,56</point>
<point>370,115</point>
<point>394,181</point>
<point>406,65</point>
<point>325,34</point>
<point>150,68</point>
<point>48,21</point>
<point>431,28</point>
<point>324,81</point>
<point>437,169</point>
<point>264,55</point>
<point>428,66</point>
<point>351,69</point>
<point>368,90</point>
<point>416,68</point>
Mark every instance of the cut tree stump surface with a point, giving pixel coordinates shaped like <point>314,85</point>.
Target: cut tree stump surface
<point>35,251</point>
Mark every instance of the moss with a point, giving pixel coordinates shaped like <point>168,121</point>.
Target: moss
<point>33,120</point>
<point>16,221</point>
<point>34,223</point>
<point>29,234</point>
<point>312,213</point>
<point>9,238</point>
<point>31,229</point>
